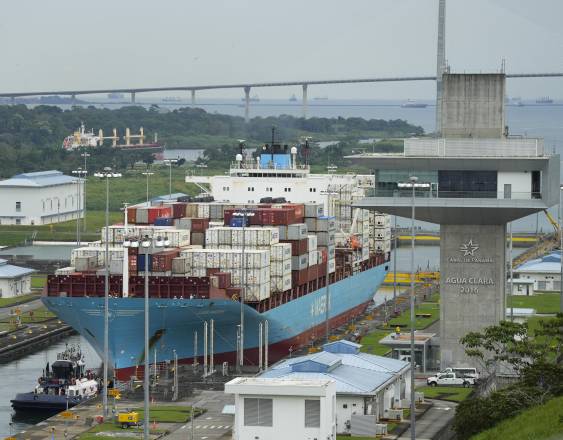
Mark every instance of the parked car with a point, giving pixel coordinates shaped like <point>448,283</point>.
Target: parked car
<point>450,379</point>
<point>463,372</point>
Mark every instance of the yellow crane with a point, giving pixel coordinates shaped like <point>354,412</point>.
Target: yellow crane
<point>552,221</point>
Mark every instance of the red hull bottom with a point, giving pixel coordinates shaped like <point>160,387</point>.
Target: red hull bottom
<point>276,351</point>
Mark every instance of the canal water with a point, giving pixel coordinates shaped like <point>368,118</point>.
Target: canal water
<point>21,376</point>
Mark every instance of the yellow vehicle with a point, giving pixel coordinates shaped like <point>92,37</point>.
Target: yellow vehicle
<point>127,419</point>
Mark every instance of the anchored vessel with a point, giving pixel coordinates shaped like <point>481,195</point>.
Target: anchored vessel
<point>249,244</point>
<point>87,139</point>
<point>64,385</point>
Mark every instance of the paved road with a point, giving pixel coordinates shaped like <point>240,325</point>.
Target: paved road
<point>432,421</point>
<point>212,424</point>
<point>26,307</point>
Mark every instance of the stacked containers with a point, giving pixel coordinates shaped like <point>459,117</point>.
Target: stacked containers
<point>280,267</point>
<point>325,229</point>
<point>380,240</point>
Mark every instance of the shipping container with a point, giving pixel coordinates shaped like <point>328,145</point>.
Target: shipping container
<point>382,234</point>
<point>297,231</point>
<point>311,242</point>
<point>132,215</point>
<point>198,238</point>
<point>162,261</point>
<point>326,224</point>
<point>299,277</point>
<point>298,247</point>
<point>86,263</point>
<point>141,262</point>
<point>300,262</point>
<point>313,210</point>
<point>164,221</point>
<point>281,283</point>
<point>280,252</point>
<point>279,268</point>
<point>326,238</point>
<point>331,266</point>
<point>381,220</point>
<point>178,210</point>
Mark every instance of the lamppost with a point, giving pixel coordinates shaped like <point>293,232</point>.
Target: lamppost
<point>147,173</point>
<point>85,156</point>
<point>81,175</point>
<point>327,193</point>
<point>395,267</point>
<point>147,244</point>
<point>106,174</point>
<point>561,247</point>
<point>169,162</point>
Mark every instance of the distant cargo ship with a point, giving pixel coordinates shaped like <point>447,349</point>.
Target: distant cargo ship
<point>413,104</point>
<point>87,139</point>
<point>172,99</point>
<point>544,100</point>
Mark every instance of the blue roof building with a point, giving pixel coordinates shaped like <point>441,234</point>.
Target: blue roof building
<point>14,280</point>
<point>545,272</point>
<point>366,384</point>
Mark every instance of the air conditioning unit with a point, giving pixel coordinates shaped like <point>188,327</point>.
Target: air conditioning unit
<point>380,429</point>
<point>394,414</point>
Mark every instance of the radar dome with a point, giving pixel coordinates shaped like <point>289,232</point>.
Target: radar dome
<point>238,157</point>
<point>293,150</point>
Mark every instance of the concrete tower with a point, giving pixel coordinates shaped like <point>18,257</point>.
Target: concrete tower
<point>478,181</point>
<point>440,62</point>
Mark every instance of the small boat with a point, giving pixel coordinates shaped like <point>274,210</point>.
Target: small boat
<point>413,104</point>
<point>64,385</point>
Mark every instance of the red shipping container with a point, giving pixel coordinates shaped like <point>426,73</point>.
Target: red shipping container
<point>321,270</point>
<point>131,215</point>
<point>132,264</point>
<point>178,210</point>
<point>298,247</point>
<point>200,224</point>
<point>233,293</point>
<point>224,279</point>
<point>297,208</point>
<point>299,277</point>
<point>312,273</point>
<point>162,261</point>
<point>156,212</point>
<point>283,216</point>
<point>211,271</point>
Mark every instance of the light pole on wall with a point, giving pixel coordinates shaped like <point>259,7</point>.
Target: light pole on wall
<point>81,176</point>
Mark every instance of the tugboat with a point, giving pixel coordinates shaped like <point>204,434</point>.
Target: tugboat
<point>64,385</point>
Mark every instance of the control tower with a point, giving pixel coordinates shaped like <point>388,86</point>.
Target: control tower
<point>478,179</point>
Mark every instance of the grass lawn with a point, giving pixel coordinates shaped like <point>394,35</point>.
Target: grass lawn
<point>6,302</point>
<point>169,413</point>
<point>38,315</point>
<point>111,426</point>
<point>370,343</point>
<point>38,281</point>
<point>454,394</point>
<point>538,423</point>
<point>403,320</point>
<point>541,302</point>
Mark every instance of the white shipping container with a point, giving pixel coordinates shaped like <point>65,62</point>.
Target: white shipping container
<point>314,209</point>
<point>381,220</point>
<point>382,245</point>
<point>116,267</point>
<point>382,234</point>
<point>280,283</point>
<point>297,231</point>
<point>280,252</point>
<point>179,265</point>
<point>331,266</point>
<point>85,263</point>
<point>326,238</point>
<point>203,210</point>
<point>279,268</point>
<point>311,242</point>
<point>311,223</point>
<point>211,237</point>
<point>257,292</point>
<point>283,232</point>
<point>257,276</point>
<point>65,270</point>
<point>313,258</point>
<point>326,224</point>
<point>300,262</point>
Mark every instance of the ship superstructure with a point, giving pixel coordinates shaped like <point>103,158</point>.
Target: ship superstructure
<point>276,257</point>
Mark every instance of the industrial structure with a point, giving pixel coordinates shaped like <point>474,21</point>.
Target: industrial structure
<point>41,198</point>
<point>477,178</point>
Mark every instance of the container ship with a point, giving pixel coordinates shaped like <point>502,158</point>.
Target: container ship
<point>82,138</point>
<point>263,241</point>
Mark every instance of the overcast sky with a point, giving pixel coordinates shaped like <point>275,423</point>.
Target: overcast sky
<point>62,44</point>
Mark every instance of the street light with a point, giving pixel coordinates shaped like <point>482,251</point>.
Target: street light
<point>169,162</point>
<point>147,173</point>
<point>85,156</point>
<point>147,244</point>
<point>81,174</point>
<point>106,174</point>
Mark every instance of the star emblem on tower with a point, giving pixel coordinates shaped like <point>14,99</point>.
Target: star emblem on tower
<point>469,248</point>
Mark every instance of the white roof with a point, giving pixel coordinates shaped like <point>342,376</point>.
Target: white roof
<point>550,263</point>
<point>307,386</point>
<point>38,179</point>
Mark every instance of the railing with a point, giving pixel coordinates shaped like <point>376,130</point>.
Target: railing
<point>251,165</point>
<point>435,193</point>
<point>509,147</point>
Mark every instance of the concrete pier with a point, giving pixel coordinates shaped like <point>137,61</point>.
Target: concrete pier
<point>193,97</point>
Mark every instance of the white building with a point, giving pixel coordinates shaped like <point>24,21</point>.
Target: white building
<point>366,384</point>
<point>40,198</point>
<point>14,280</point>
<point>545,272</point>
<point>281,409</point>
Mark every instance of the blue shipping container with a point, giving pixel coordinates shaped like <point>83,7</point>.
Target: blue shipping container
<point>141,262</point>
<point>164,221</point>
<point>239,222</point>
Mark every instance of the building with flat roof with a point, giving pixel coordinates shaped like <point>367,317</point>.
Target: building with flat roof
<point>473,181</point>
<point>14,280</point>
<point>281,409</point>
<point>366,384</point>
<point>41,198</point>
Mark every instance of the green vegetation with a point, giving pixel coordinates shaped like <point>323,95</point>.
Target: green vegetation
<point>430,309</point>
<point>534,350</point>
<point>111,427</point>
<point>33,316</point>
<point>169,413</point>
<point>31,138</point>
<point>454,394</point>
<point>38,281</point>
<point>539,423</point>
<point>370,343</point>
<point>7,302</point>
<point>541,302</point>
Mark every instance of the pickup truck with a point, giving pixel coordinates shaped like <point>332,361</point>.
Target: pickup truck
<point>450,379</point>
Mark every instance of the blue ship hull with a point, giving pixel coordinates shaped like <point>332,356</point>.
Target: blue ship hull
<point>174,321</point>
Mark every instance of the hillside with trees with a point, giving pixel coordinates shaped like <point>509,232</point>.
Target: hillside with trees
<point>31,138</point>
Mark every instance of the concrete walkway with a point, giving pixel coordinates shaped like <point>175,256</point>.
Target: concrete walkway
<point>25,308</point>
<point>433,421</point>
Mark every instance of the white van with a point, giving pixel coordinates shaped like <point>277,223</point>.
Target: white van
<point>462,372</point>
